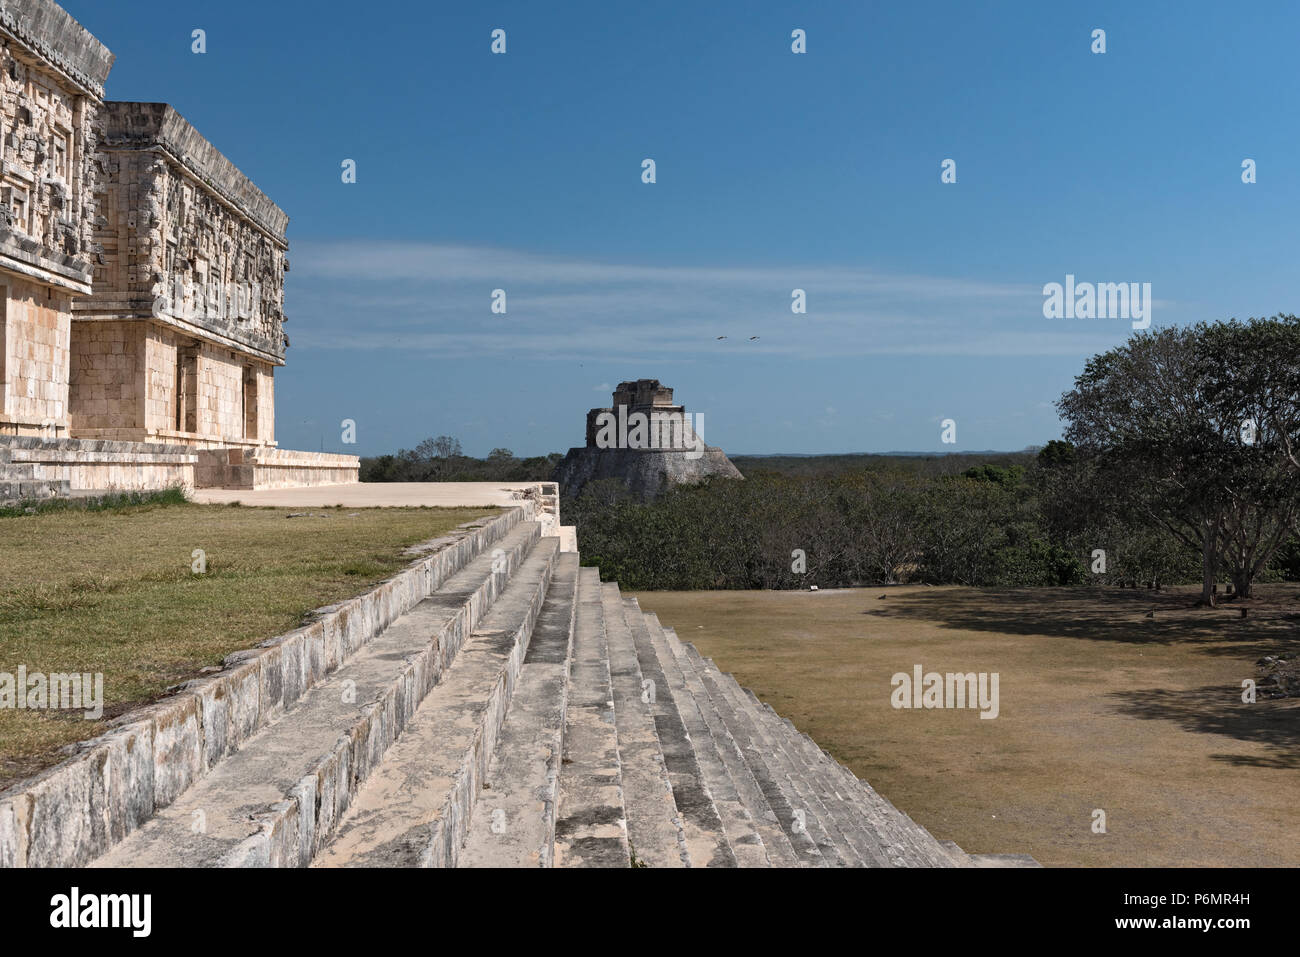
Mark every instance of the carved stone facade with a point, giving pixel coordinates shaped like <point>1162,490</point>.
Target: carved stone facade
<point>52,74</point>
<point>141,279</point>
<point>190,279</point>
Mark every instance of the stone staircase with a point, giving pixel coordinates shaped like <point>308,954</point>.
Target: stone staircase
<point>526,715</point>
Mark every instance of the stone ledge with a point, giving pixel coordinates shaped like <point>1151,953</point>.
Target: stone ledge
<point>67,815</point>
<point>271,468</point>
<point>18,444</point>
<point>51,31</point>
<point>133,125</point>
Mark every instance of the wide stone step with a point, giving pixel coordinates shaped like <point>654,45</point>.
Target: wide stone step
<point>909,842</point>
<point>843,805</point>
<point>275,800</point>
<point>591,824</point>
<point>706,842</point>
<point>655,831</point>
<point>776,844</point>
<point>414,810</point>
<point>738,826</point>
<point>958,857</point>
<point>844,814</point>
<point>1003,860</point>
<point>805,798</point>
<point>513,823</point>
<point>771,774</point>
<point>30,487</point>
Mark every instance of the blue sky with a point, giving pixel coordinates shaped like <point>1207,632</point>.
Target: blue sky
<point>775,171</point>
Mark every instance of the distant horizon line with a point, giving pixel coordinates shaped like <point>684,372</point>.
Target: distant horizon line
<point>813,455</point>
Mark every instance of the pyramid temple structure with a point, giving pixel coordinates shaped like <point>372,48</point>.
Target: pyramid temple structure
<point>646,441</point>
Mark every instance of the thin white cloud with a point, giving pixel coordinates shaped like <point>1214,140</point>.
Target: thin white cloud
<point>420,297</point>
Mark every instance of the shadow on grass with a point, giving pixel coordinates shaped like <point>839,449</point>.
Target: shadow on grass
<point>1215,709</point>
<point>1107,615</point>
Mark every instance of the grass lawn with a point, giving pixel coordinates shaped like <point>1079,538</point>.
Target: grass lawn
<point>1101,708</point>
<point>112,591</point>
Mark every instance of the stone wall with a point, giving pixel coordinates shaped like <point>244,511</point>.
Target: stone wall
<point>266,403</point>
<point>160,377</point>
<point>107,391</point>
<point>94,465</point>
<point>262,468</point>
<point>220,395</point>
<point>36,334</point>
<point>52,73</point>
<point>125,385</point>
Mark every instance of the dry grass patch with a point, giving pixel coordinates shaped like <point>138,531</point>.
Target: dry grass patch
<point>1101,708</point>
<point>112,592</point>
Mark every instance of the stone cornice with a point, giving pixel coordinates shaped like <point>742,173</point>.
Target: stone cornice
<point>48,30</point>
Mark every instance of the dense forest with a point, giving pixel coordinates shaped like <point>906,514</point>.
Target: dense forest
<point>941,520</point>
<point>1180,462</point>
<point>442,460</point>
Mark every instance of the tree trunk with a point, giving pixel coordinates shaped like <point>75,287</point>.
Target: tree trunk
<point>1241,583</point>
<point>1208,568</point>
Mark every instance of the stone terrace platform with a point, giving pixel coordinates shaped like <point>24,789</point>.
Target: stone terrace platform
<point>492,705</point>
<point>407,495</point>
<point>374,495</point>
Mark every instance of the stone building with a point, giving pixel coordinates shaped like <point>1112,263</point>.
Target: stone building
<point>180,336</point>
<point>645,440</point>
<point>52,74</point>
<point>142,284</point>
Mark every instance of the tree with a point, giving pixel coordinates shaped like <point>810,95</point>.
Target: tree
<point>443,447</point>
<point>1056,454</point>
<point>1159,437</point>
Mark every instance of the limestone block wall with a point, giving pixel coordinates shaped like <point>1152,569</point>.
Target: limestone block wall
<point>159,378</point>
<point>128,381</point>
<point>262,468</point>
<point>37,348</point>
<point>109,363</point>
<point>265,403</point>
<point>96,465</point>
<point>220,395</point>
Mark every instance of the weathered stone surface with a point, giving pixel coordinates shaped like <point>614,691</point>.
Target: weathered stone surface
<point>52,73</point>
<point>650,459</point>
<point>646,473</point>
<point>506,710</point>
<point>149,758</point>
<point>81,464</point>
<point>143,279</point>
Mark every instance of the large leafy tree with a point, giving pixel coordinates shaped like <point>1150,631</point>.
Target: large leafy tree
<point>1169,432</point>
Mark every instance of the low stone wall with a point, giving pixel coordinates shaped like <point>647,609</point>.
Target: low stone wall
<point>260,468</point>
<point>70,814</point>
<point>547,497</point>
<point>95,464</point>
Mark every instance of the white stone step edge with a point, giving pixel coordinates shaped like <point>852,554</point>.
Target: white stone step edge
<point>485,850</point>
<point>71,813</point>
<point>287,837</point>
